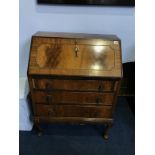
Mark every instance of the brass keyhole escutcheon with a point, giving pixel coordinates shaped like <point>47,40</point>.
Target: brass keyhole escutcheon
<point>76,49</point>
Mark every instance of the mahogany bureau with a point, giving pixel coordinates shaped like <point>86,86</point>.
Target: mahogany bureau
<point>74,77</point>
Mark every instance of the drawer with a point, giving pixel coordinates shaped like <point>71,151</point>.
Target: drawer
<point>74,111</point>
<point>65,97</point>
<point>82,85</point>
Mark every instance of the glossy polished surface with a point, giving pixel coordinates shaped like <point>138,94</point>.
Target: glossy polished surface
<point>60,97</point>
<point>73,85</point>
<point>74,111</point>
<point>74,78</point>
<point>75,56</point>
<point>81,57</point>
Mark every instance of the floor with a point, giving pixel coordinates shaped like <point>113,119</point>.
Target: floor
<point>60,139</point>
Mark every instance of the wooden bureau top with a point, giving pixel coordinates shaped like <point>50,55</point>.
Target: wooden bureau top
<point>76,35</point>
<point>75,54</point>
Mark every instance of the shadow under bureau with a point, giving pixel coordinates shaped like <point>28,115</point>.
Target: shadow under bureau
<point>74,77</point>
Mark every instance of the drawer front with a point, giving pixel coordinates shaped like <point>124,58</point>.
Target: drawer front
<point>82,85</point>
<point>62,97</point>
<point>74,111</point>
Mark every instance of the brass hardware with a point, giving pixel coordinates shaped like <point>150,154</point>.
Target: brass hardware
<point>49,99</point>
<point>47,85</point>
<point>76,49</point>
<point>100,88</point>
<point>51,112</point>
<point>98,100</point>
<point>36,85</point>
<point>96,114</point>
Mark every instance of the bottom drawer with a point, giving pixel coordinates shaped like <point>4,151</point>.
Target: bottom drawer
<point>74,111</point>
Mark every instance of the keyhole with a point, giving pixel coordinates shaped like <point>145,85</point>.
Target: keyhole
<point>76,51</point>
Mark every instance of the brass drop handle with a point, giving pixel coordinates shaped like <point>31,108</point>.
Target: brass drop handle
<point>96,114</point>
<point>47,85</point>
<point>98,100</point>
<point>100,88</point>
<point>51,112</point>
<point>49,99</point>
<point>36,85</point>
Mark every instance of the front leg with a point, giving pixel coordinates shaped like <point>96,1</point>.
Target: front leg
<point>106,132</point>
<point>37,126</point>
<point>39,130</point>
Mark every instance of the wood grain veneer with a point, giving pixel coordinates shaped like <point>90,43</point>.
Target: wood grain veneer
<point>74,77</point>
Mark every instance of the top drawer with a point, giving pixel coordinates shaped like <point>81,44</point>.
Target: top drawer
<point>74,85</point>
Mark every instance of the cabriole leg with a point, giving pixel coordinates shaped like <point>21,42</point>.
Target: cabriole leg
<point>106,132</point>
<point>38,128</point>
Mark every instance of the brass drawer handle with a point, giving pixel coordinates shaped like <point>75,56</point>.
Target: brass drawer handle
<point>100,88</point>
<point>98,100</point>
<point>48,86</point>
<point>96,114</point>
<point>36,85</point>
<point>51,112</point>
<point>49,99</point>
